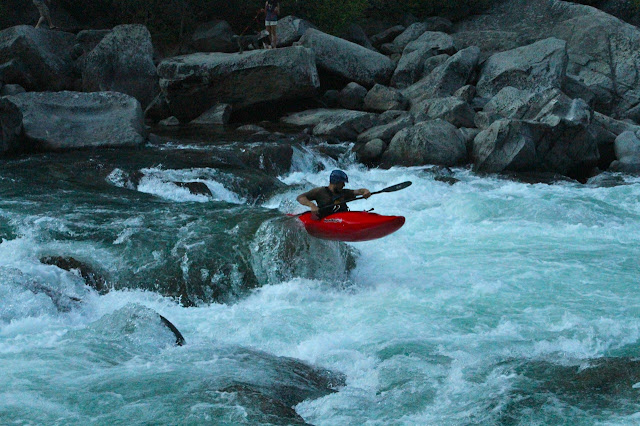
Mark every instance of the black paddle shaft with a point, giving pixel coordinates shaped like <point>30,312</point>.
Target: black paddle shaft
<point>391,188</point>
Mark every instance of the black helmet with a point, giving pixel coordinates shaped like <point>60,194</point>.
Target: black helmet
<point>338,176</point>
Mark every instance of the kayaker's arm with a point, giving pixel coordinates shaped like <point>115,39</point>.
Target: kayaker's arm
<point>302,199</point>
<point>362,191</point>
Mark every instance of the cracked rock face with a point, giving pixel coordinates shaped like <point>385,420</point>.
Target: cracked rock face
<point>603,51</point>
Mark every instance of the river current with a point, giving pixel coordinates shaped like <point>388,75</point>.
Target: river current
<point>498,302</point>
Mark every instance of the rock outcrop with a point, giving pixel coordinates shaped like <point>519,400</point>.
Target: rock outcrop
<point>192,84</point>
<point>37,59</point>
<point>123,62</point>
<point>72,120</point>
<point>10,126</point>
<point>348,60</point>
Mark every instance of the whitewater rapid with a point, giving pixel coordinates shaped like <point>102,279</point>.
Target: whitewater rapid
<point>475,312</point>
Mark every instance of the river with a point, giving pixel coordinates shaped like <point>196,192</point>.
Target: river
<point>498,302</point>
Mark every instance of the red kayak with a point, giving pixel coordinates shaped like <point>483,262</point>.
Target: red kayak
<point>351,226</point>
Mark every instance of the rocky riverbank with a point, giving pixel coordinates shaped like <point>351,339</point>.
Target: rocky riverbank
<point>529,86</point>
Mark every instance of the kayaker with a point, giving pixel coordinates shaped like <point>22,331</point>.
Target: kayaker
<point>334,196</point>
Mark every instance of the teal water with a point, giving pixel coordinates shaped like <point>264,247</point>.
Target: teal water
<point>498,302</point>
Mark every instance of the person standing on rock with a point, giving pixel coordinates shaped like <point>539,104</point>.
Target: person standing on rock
<point>272,10</point>
<point>44,13</point>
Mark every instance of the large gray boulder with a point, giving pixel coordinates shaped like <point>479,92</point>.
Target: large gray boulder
<point>489,42</point>
<point>10,126</point>
<point>291,29</point>
<point>446,78</point>
<point>123,62</point>
<point>214,36</point>
<point>627,151</point>
<point>354,33</point>
<point>348,60</point>
<point>382,98</point>
<point>603,51</point>
<point>194,83</point>
<point>411,33</point>
<point>411,65</point>
<point>89,39</point>
<point>540,65</point>
<point>428,142</point>
<point>387,131</point>
<point>352,96</point>
<point>342,124</point>
<point>566,147</point>
<point>71,120</point>
<point>451,109</point>
<point>37,59</point>
<point>387,35</point>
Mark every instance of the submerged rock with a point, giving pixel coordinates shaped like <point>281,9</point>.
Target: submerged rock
<point>92,278</point>
<point>71,120</point>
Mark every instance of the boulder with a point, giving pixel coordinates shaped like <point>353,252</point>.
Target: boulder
<point>11,89</point>
<point>89,39</point>
<point>382,98</point>
<point>387,35</point>
<point>411,33</point>
<point>37,59</point>
<point>71,120</point>
<point>627,147</point>
<point>567,148</point>
<point>540,65</point>
<point>410,67</point>
<point>331,98</point>
<point>213,36</point>
<point>371,151</point>
<point>428,142</point>
<point>466,93</point>
<point>291,29</point>
<point>192,84</point>
<point>386,131</point>
<point>10,126</point>
<point>446,78</point>
<point>355,34</point>
<point>543,106</point>
<point>602,50</point>
<point>451,109</point>
<point>170,122</point>
<point>432,63</point>
<point>123,62</point>
<point>344,125</point>
<point>218,115</point>
<point>348,60</point>
<point>489,42</point>
<point>352,96</point>
<point>158,109</point>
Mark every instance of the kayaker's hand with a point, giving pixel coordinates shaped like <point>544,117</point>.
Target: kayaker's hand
<point>314,208</point>
<point>366,193</point>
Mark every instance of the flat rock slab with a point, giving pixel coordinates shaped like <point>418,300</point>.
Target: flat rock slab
<point>72,120</point>
<point>192,84</point>
<point>343,124</point>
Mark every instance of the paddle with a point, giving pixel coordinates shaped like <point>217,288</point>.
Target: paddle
<point>391,188</point>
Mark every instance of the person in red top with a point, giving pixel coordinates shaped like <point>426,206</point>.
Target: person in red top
<point>335,196</point>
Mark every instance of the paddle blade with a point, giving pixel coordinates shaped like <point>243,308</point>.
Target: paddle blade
<point>397,187</point>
